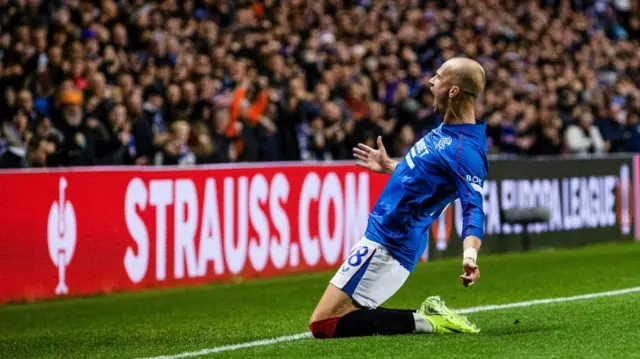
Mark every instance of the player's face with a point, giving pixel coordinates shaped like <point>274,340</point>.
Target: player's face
<point>439,89</point>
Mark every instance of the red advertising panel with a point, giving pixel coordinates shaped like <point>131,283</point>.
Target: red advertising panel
<point>117,229</point>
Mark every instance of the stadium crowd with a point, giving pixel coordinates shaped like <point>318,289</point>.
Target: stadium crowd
<point>182,82</point>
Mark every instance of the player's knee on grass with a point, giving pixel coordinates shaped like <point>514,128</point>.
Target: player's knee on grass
<point>326,313</point>
<point>332,306</point>
<point>323,324</point>
<point>323,329</point>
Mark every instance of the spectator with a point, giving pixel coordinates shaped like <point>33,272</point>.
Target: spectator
<point>224,149</point>
<point>80,139</point>
<point>405,108</point>
<point>426,119</point>
<point>583,137</point>
<point>546,133</point>
<point>317,148</point>
<point>97,103</point>
<point>176,151</point>
<point>140,129</point>
<point>632,133</point>
<point>116,143</point>
<point>16,134</point>
<point>203,146</point>
<point>334,132</point>
<point>299,116</point>
<point>248,106</point>
<point>25,104</point>
<point>502,134</point>
<point>404,141</point>
<point>153,113</point>
<point>369,128</point>
<point>44,146</point>
<point>356,102</point>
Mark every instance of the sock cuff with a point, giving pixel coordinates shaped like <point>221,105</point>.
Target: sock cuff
<point>423,325</point>
<point>324,328</point>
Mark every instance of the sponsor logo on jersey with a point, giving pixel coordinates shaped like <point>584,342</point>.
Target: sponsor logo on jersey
<point>476,183</point>
<point>443,143</point>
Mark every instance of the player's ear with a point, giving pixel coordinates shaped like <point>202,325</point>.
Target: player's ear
<point>454,91</point>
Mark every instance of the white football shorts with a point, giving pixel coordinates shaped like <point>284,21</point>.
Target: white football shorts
<point>370,275</point>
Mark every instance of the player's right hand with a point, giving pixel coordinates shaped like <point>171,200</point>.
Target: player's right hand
<point>470,272</point>
<point>374,160</point>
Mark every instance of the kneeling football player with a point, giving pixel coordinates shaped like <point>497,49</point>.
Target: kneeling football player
<point>448,163</point>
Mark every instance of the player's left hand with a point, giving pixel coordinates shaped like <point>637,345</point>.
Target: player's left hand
<point>471,272</point>
<point>371,159</point>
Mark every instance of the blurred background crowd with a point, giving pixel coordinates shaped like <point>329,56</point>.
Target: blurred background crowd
<point>179,82</point>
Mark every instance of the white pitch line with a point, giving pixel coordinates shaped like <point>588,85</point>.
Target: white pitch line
<point>225,348</point>
<point>483,308</point>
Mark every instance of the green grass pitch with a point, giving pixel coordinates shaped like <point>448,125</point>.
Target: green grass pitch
<point>167,322</point>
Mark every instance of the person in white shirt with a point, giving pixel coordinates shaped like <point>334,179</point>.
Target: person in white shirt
<point>583,137</point>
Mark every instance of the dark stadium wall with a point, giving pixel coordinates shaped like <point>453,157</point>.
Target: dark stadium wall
<point>590,200</point>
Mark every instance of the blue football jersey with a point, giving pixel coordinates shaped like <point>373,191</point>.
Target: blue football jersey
<point>448,163</point>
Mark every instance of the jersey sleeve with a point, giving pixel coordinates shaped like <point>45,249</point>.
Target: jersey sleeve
<point>470,173</point>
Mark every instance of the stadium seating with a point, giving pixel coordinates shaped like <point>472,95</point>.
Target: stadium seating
<point>183,82</point>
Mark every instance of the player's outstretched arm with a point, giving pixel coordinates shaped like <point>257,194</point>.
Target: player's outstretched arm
<point>469,173</point>
<point>473,230</point>
<point>375,160</point>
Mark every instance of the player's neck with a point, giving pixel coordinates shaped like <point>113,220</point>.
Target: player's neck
<point>456,115</point>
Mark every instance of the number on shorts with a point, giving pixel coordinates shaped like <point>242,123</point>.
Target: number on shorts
<point>356,258</point>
